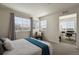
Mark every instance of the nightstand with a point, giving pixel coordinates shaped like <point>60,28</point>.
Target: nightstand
<point>39,37</point>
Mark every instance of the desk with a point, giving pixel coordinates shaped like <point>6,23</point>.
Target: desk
<point>39,37</point>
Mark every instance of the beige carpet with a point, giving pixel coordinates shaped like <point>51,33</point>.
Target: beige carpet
<point>65,49</point>
<point>69,41</point>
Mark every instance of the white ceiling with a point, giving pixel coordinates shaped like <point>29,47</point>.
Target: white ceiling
<point>39,9</point>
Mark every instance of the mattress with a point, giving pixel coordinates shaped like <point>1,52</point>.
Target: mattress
<point>23,47</point>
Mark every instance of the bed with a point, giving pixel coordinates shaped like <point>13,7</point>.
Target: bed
<point>24,47</point>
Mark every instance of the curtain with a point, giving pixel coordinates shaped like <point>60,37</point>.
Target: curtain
<point>31,32</point>
<point>11,34</point>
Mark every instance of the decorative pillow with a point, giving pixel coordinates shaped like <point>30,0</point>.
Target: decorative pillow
<point>8,44</point>
<point>4,39</point>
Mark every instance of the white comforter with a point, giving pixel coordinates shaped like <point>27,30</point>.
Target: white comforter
<point>23,47</point>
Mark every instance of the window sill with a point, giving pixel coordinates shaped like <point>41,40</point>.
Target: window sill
<point>23,31</point>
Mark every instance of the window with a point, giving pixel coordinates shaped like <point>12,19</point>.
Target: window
<point>36,24</point>
<point>43,24</point>
<point>67,22</point>
<point>22,24</point>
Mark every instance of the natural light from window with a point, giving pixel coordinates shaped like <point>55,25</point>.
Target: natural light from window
<point>22,24</point>
<point>43,24</point>
<point>67,22</point>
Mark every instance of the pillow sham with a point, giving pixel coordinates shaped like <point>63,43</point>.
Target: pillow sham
<point>8,44</point>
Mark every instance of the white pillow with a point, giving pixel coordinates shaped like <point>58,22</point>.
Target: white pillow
<point>8,44</point>
<point>4,39</point>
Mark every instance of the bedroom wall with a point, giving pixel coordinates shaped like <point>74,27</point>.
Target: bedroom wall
<point>4,23</point>
<point>51,32</point>
<point>5,20</point>
<point>77,41</point>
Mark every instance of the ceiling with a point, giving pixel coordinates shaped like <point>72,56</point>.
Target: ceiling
<point>39,9</point>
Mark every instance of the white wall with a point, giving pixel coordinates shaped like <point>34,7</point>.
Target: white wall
<point>52,32</point>
<point>77,41</point>
<point>5,21</point>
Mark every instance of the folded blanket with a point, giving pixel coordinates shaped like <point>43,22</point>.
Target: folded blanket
<point>44,47</point>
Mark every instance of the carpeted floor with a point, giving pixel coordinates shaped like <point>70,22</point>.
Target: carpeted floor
<point>69,41</point>
<point>64,49</point>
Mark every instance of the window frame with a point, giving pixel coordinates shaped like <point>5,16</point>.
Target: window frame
<point>22,30</point>
<point>43,29</point>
